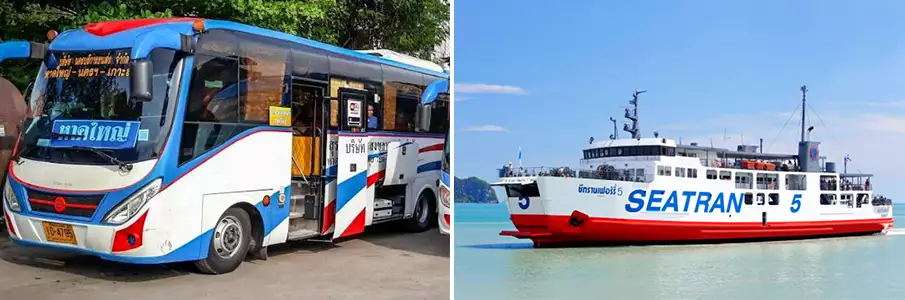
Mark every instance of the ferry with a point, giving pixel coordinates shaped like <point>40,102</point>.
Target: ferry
<point>654,190</point>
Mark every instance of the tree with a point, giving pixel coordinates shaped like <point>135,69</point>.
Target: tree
<point>414,27</point>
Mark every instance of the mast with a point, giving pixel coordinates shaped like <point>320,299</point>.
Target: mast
<point>804,91</point>
<point>633,116</point>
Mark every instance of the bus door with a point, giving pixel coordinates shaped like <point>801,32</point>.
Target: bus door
<point>352,200</point>
<point>308,177</point>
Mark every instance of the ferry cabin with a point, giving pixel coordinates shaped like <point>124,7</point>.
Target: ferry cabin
<point>765,180</point>
<point>239,138</point>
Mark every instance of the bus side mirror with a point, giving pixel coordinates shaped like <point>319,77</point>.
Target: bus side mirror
<point>142,72</point>
<point>423,117</point>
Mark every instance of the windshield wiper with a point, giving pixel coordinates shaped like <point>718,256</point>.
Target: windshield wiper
<point>122,166</point>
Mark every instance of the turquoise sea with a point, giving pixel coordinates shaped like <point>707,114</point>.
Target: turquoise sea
<point>489,266</point>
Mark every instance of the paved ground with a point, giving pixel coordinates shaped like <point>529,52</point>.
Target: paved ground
<point>382,264</point>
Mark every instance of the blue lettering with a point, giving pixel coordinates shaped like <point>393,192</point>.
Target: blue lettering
<point>735,202</point>
<point>688,196</point>
<point>702,200</point>
<point>796,203</point>
<point>654,198</point>
<point>706,202</point>
<point>718,203</point>
<point>635,197</point>
<point>672,201</point>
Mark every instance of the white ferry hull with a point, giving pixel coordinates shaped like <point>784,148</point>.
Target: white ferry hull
<point>569,211</point>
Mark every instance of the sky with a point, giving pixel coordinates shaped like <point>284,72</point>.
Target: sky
<point>547,77</point>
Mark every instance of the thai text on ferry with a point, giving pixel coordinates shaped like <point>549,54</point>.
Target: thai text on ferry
<point>683,201</point>
<point>603,191</point>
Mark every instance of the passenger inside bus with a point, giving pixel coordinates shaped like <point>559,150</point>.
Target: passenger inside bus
<point>372,119</point>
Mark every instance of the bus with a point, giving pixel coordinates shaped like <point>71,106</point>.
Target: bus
<point>436,98</point>
<point>195,140</point>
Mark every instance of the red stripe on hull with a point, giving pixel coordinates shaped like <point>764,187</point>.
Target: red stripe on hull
<point>547,230</point>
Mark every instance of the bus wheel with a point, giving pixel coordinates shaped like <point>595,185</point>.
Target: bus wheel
<point>229,243</point>
<point>421,217</point>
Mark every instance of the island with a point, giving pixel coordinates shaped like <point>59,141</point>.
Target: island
<point>474,190</point>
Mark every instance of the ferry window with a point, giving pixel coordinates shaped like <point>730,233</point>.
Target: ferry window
<point>796,182</point>
<point>828,183</point>
<point>680,172</point>
<point>639,175</point>
<point>846,199</point>
<point>760,199</point>
<point>606,152</point>
<point>632,151</point>
<point>619,151</point>
<point>863,199</point>
<point>749,199</point>
<point>711,174</point>
<point>661,170</point>
<point>761,181</point>
<point>772,181</point>
<point>725,175</point>
<point>828,199</point>
<point>527,190</point>
<point>692,173</point>
<point>774,199</point>
<point>743,180</point>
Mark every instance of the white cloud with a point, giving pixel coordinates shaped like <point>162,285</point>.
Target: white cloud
<point>481,88</point>
<point>494,128</point>
<point>460,98</point>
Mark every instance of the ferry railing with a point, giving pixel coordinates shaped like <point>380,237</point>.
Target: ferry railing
<point>647,175</point>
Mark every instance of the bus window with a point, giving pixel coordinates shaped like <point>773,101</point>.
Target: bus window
<point>212,107</point>
<point>440,114</point>
<point>264,66</point>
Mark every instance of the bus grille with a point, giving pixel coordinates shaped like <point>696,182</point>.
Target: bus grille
<point>70,205</point>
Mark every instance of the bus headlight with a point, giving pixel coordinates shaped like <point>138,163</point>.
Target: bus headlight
<point>129,208</point>
<point>444,196</point>
<point>10,198</point>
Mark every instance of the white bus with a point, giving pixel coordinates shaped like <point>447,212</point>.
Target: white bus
<point>182,139</point>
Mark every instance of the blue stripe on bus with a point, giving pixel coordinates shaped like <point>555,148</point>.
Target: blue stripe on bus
<point>349,188</point>
<point>431,166</point>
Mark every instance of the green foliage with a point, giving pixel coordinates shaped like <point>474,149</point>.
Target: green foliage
<point>414,27</point>
<point>473,190</point>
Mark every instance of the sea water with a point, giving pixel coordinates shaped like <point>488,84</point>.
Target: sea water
<point>490,266</point>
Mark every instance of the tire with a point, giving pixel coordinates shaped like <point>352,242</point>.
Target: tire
<point>421,218</point>
<point>229,243</point>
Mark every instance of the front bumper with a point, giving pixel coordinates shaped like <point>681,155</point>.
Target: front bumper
<point>98,240</point>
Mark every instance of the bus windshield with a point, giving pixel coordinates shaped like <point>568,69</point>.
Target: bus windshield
<point>81,103</point>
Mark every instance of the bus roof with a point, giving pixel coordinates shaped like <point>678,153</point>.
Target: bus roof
<point>122,34</point>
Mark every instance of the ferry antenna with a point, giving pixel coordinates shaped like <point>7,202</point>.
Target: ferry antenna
<point>804,91</point>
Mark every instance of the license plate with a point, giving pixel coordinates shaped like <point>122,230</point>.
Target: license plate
<point>59,233</point>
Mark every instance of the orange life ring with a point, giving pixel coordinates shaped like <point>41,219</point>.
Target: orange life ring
<point>715,163</point>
